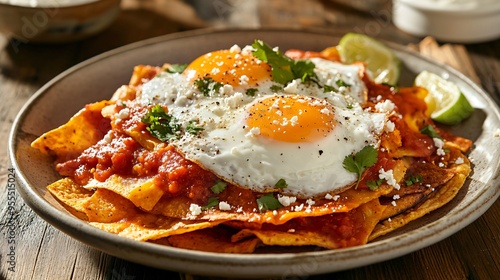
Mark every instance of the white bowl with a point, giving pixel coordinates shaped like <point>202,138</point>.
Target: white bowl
<point>54,21</point>
<point>460,21</point>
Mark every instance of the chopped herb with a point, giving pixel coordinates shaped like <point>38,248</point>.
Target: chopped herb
<point>342,83</point>
<point>284,69</point>
<point>176,68</point>
<point>363,159</point>
<point>160,124</point>
<point>414,179</point>
<point>251,91</point>
<point>327,88</point>
<point>350,106</point>
<point>211,203</point>
<point>276,88</point>
<point>193,129</point>
<point>219,187</point>
<point>268,202</point>
<point>281,184</point>
<point>430,131</point>
<point>207,84</point>
<point>374,184</point>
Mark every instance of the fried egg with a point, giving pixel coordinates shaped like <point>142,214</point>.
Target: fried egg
<point>257,132</point>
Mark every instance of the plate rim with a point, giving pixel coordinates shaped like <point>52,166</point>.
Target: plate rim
<point>49,213</point>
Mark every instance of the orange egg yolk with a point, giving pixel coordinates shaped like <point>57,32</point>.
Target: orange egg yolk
<point>229,67</point>
<point>291,118</point>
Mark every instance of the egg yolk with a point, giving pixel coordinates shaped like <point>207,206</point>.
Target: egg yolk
<point>229,67</point>
<point>291,118</point>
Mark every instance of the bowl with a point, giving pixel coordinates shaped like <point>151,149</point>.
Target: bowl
<point>55,21</point>
<point>459,21</point>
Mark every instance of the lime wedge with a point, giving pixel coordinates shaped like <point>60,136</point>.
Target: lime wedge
<point>446,102</point>
<point>378,58</point>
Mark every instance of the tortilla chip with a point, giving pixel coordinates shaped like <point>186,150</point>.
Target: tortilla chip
<point>83,130</point>
<point>141,191</point>
<point>437,199</point>
<point>217,240</point>
<point>144,227</point>
<point>105,206</point>
<point>71,195</point>
<point>339,230</point>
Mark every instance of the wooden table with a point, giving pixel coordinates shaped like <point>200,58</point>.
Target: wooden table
<point>43,252</point>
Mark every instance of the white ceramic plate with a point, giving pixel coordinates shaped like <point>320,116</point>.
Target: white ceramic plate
<point>97,78</point>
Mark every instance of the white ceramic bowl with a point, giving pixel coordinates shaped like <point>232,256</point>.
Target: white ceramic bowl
<point>55,21</point>
<point>460,21</point>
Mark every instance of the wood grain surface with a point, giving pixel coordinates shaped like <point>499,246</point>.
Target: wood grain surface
<point>32,249</point>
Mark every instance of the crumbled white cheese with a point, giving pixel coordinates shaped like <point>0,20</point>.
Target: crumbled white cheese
<point>385,107</point>
<point>393,203</point>
<point>244,80</point>
<point>396,197</point>
<point>298,208</point>
<point>235,49</point>
<point>439,145</point>
<point>459,160</point>
<point>310,202</point>
<point>254,131</point>
<point>195,209</point>
<point>224,206</point>
<point>389,126</point>
<point>291,88</point>
<point>123,114</point>
<point>286,200</point>
<point>388,176</point>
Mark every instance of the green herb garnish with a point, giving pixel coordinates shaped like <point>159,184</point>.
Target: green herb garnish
<point>251,91</point>
<point>430,131</point>
<point>394,87</point>
<point>281,184</point>
<point>342,83</point>
<point>268,202</point>
<point>219,187</point>
<point>276,88</point>
<point>211,203</point>
<point>284,69</point>
<point>191,128</point>
<point>327,88</point>
<point>374,184</point>
<point>176,68</point>
<point>206,85</point>
<point>414,179</point>
<point>160,124</point>
<point>363,159</point>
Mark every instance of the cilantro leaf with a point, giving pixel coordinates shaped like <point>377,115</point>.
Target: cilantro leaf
<point>268,202</point>
<point>160,124</point>
<point>206,85</point>
<point>193,129</point>
<point>176,68</point>
<point>430,131</point>
<point>211,203</point>
<point>251,91</point>
<point>414,179</point>
<point>374,184</point>
<point>363,159</point>
<point>219,187</point>
<point>283,68</point>
<point>342,83</point>
<point>281,184</point>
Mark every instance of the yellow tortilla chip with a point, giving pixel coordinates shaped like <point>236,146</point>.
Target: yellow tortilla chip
<point>437,199</point>
<point>333,231</point>
<point>144,227</point>
<point>82,131</point>
<point>71,195</point>
<point>216,239</point>
<point>141,191</point>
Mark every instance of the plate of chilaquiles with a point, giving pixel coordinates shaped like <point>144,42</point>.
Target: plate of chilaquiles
<point>255,153</point>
